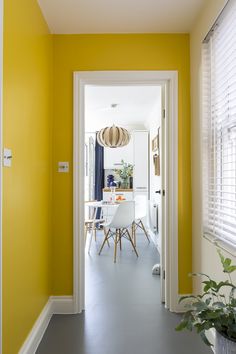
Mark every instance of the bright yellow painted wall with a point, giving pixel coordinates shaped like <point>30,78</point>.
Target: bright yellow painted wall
<point>27,118</point>
<point>115,52</point>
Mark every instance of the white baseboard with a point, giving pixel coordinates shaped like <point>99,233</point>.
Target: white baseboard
<point>62,305</point>
<point>55,305</point>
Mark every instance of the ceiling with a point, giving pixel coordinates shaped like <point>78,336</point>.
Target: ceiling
<point>120,16</point>
<point>134,105</point>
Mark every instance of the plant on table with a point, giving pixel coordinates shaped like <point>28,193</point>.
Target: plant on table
<point>125,172</point>
<point>213,308</point>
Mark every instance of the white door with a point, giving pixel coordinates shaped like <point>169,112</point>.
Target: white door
<point>161,192</point>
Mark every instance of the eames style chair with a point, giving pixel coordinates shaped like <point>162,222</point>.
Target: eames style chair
<point>140,214</point>
<point>119,226</point>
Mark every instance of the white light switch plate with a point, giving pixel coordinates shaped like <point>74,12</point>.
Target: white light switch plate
<point>63,167</point>
<point>7,157</point>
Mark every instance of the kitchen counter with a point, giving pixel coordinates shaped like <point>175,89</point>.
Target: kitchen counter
<point>107,189</point>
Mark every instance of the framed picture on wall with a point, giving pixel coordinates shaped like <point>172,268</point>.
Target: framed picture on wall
<point>155,144</point>
<point>155,141</point>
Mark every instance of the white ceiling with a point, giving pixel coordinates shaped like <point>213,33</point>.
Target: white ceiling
<point>134,105</point>
<point>120,16</point>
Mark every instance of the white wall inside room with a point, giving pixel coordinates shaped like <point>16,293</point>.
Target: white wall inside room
<point>134,105</point>
<point>152,125</point>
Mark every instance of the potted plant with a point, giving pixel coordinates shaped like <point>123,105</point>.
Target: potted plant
<point>125,172</point>
<point>214,308</point>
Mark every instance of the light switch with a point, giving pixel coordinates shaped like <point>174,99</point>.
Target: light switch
<point>63,167</point>
<point>7,157</point>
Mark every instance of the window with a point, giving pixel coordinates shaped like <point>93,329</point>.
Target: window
<point>219,128</point>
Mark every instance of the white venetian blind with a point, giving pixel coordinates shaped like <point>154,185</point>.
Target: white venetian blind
<point>219,128</point>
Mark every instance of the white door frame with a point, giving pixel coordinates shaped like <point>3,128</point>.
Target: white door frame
<point>81,79</point>
<point>1,85</point>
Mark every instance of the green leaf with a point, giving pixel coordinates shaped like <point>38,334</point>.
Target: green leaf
<point>200,274</point>
<point>182,325</point>
<point>231,269</point>
<point>219,304</point>
<point>227,262</point>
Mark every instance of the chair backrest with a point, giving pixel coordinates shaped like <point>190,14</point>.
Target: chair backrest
<point>140,206</point>
<point>124,215</point>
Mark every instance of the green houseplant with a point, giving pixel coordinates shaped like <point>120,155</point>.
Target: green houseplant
<point>125,172</point>
<point>214,308</point>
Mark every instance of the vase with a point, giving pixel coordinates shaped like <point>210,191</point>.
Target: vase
<point>223,345</point>
<point>125,183</point>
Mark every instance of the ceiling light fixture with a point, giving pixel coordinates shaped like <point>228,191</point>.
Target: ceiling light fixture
<point>113,137</point>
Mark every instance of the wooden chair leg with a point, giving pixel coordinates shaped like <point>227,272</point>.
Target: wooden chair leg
<point>104,241</point>
<point>132,243</point>
<point>144,229</point>
<point>133,229</point>
<point>115,248</point>
<point>120,236</point>
<point>104,230</point>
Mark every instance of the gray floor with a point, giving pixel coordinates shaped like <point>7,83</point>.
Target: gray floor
<point>123,311</point>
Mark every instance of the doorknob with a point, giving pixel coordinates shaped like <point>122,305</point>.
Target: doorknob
<point>159,192</point>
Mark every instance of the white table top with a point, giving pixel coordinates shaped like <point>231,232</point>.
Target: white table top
<point>101,204</point>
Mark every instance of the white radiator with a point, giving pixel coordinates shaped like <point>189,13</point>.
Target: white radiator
<point>153,217</point>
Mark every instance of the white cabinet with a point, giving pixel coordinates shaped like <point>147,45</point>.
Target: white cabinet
<point>141,157</point>
<point>113,156</point>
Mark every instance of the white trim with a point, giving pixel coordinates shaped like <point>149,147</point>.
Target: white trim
<point>230,249</point>
<point>62,305</point>
<point>55,305</point>
<point>126,78</point>
<point>1,124</point>
<point>34,338</point>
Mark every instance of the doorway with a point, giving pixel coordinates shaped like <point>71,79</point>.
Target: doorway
<point>168,186</point>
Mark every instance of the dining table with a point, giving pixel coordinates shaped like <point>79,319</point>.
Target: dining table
<point>104,205</point>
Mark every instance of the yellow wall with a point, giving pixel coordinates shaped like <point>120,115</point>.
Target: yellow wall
<point>115,52</point>
<point>27,118</point>
<point>205,258</point>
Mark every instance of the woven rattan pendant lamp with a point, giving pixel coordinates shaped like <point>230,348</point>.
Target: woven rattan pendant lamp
<point>113,137</point>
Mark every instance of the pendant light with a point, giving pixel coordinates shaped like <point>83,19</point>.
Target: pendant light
<point>113,137</point>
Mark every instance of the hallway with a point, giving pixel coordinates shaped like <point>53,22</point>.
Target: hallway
<point>123,310</point>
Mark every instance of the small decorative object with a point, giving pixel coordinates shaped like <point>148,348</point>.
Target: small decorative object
<point>113,137</point>
<point>125,172</point>
<point>155,142</point>
<point>156,161</point>
<point>110,179</point>
<point>214,309</point>
<point>113,191</point>
<point>156,157</point>
<point>131,180</point>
